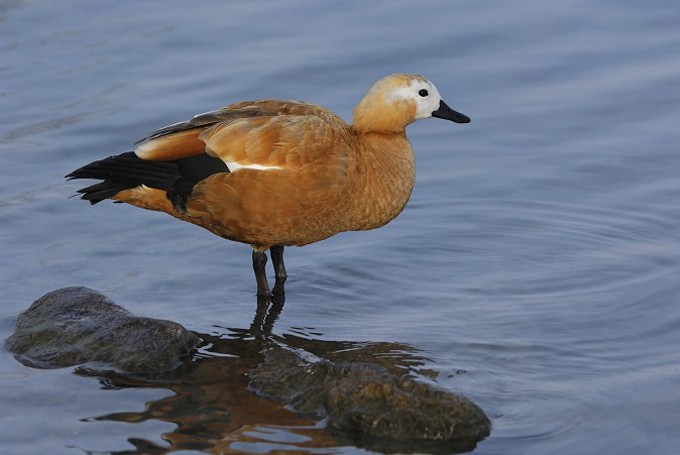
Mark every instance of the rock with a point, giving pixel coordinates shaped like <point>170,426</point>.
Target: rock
<point>78,325</point>
<point>371,406</point>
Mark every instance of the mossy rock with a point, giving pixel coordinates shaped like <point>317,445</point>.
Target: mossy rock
<point>371,406</point>
<point>78,325</point>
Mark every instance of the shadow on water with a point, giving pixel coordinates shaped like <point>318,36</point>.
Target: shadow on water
<point>217,409</point>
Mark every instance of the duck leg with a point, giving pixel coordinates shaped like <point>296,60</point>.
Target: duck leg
<point>278,293</point>
<point>277,259</point>
<point>259,263</point>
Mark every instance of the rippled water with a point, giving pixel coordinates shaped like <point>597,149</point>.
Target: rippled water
<point>535,269</point>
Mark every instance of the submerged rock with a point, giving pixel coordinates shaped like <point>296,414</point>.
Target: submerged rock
<point>370,405</point>
<point>78,325</point>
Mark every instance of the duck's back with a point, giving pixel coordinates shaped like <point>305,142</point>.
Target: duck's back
<point>182,139</point>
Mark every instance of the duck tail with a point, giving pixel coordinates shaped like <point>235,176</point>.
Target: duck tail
<point>124,171</point>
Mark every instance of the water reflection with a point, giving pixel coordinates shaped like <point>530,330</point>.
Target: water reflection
<point>269,308</point>
<point>215,409</point>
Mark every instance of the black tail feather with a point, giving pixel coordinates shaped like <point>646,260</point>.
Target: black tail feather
<point>124,171</point>
<point>100,191</point>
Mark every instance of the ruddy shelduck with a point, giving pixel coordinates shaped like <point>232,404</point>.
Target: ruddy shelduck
<point>274,173</point>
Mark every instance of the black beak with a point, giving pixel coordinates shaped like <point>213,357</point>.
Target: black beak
<point>447,113</point>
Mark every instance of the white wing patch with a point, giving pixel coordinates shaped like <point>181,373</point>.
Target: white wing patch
<point>234,166</point>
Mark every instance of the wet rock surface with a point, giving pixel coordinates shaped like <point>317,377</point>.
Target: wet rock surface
<point>371,406</point>
<point>78,325</point>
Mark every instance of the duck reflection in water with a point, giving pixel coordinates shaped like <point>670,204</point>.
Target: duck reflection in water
<point>252,390</point>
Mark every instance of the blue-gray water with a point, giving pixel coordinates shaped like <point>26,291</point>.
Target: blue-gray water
<point>536,266</point>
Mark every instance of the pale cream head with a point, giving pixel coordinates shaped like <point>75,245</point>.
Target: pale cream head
<point>400,99</point>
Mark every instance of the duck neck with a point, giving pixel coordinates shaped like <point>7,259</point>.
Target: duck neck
<point>374,115</point>
<point>388,175</point>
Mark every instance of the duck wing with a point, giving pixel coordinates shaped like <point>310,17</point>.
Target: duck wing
<point>181,140</point>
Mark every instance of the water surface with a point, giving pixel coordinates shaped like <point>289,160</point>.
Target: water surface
<point>535,268</point>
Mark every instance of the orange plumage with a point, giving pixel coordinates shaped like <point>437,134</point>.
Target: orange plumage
<point>273,173</point>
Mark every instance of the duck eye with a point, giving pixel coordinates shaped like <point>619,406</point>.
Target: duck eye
<point>423,93</point>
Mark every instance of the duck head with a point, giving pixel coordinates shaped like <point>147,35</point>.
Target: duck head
<point>398,100</point>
